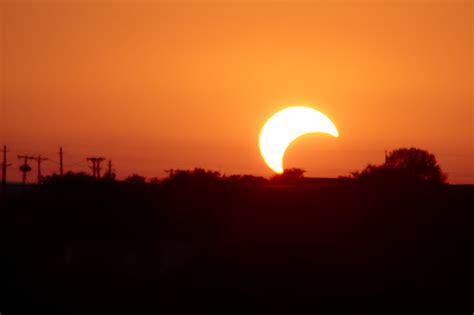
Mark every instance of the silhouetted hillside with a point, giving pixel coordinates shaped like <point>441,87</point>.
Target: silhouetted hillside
<point>77,245</point>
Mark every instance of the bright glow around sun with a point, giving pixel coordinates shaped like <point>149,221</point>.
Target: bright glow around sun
<point>287,125</point>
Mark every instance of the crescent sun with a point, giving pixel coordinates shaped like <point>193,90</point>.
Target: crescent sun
<point>286,126</point>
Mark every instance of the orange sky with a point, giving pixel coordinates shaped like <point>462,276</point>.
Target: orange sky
<point>177,85</point>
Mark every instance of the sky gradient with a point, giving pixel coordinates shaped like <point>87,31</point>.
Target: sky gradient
<point>160,85</point>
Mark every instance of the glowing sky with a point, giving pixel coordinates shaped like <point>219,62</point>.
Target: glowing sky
<point>157,85</point>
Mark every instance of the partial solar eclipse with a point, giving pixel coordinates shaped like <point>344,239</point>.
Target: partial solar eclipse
<point>286,126</point>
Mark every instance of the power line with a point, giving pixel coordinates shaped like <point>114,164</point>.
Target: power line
<point>81,162</point>
<point>74,163</point>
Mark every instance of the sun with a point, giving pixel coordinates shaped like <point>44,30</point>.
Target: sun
<point>286,126</point>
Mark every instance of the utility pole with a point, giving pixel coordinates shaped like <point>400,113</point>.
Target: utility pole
<point>91,159</point>
<point>109,171</point>
<point>25,168</point>
<point>61,161</point>
<point>96,165</point>
<point>4,170</point>
<point>39,159</point>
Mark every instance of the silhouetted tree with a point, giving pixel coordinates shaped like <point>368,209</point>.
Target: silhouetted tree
<point>69,178</point>
<point>405,164</point>
<point>246,180</point>
<point>135,179</point>
<point>289,175</point>
<point>154,181</point>
<point>198,175</point>
<point>110,177</point>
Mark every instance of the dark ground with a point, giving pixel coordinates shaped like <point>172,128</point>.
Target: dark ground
<point>81,246</point>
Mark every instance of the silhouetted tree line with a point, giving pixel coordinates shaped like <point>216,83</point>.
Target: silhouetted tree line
<point>405,165</point>
<point>199,239</point>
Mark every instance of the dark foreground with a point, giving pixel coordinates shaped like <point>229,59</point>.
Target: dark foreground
<point>80,246</point>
